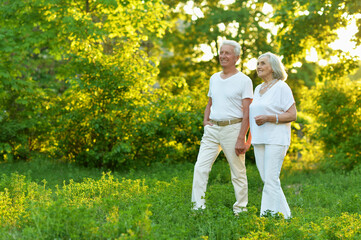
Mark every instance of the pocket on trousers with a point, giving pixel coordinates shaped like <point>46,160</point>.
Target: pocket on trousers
<point>207,128</point>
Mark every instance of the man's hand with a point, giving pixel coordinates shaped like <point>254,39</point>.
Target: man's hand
<point>241,147</point>
<point>207,122</point>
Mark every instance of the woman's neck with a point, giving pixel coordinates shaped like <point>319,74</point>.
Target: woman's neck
<point>268,79</point>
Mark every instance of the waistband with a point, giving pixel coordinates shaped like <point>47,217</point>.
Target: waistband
<point>226,122</point>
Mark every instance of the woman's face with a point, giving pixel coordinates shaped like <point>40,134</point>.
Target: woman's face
<point>264,69</point>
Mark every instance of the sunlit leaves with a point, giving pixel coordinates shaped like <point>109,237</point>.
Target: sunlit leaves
<point>335,105</point>
<point>111,78</point>
<point>97,48</point>
<point>306,24</point>
<point>239,21</point>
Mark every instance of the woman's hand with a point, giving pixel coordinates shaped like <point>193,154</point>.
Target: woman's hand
<point>261,119</point>
<point>286,117</point>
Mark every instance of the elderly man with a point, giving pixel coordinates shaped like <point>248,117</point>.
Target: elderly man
<point>225,123</point>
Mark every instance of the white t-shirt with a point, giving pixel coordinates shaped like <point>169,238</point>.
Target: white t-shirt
<point>227,95</point>
<point>276,100</point>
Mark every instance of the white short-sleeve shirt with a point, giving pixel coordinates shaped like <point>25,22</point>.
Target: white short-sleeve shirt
<point>227,95</point>
<point>276,100</point>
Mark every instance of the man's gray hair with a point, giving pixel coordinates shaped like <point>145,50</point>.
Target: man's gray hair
<point>237,47</point>
<point>279,71</point>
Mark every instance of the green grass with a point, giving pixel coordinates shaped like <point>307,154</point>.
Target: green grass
<point>48,200</point>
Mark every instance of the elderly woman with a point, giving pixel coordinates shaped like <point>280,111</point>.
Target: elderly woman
<point>270,115</point>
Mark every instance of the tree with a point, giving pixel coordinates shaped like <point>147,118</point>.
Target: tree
<point>22,96</point>
<point>111,77</point>
<point>305,24</point>
<point>328,102</point>
<point>96,48</point>
<point>240,21</point>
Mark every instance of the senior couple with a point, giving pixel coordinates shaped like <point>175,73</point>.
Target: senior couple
<point>231,110</point>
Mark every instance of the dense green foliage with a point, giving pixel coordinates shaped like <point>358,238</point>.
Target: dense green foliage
<point>336,109</point>
<point>305,24</point>
<point>121,84</point>
<point>154,203</point>
<point>81,85</point>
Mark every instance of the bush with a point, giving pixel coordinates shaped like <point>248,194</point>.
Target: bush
<point>335,107</point>
<point>102,129</point>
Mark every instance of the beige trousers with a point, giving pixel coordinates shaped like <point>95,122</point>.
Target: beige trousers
<point>215,139</point>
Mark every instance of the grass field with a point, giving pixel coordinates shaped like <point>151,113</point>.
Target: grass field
<point>47,200</point>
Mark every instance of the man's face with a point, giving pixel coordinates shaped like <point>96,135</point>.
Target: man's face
<point>227,57</point>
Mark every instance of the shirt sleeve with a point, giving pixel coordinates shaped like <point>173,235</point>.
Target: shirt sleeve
<point>248,89</point>
<point>287,99</point>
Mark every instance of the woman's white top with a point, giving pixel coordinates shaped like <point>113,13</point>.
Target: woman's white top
<point>227,95</point>
<point>276,100</point>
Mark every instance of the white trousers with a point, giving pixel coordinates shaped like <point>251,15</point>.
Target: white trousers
<point>269,160</point>
<point>215,139</point>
